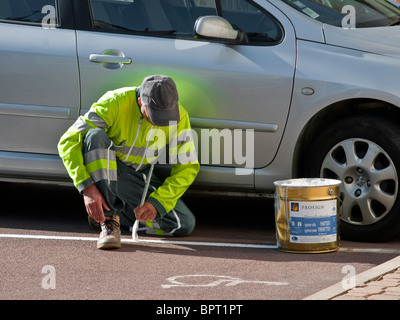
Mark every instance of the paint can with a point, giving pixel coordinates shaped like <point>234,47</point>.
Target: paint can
<point>307,214</point>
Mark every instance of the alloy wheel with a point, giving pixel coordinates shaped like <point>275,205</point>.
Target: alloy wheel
<point>369,180</point>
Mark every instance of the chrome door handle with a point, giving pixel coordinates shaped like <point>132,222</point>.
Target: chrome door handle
<point>105,58</point>
<point>110,59</point>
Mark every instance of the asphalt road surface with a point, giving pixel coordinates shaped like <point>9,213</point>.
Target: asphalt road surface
<point>49,253</point>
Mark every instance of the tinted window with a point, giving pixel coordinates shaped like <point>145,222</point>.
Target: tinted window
<point>29,11</point>
<point>176,18</point>
<point>159,17</point>
<point>260,27</point>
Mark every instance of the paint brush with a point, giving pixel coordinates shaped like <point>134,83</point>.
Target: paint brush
<point>146,187</point>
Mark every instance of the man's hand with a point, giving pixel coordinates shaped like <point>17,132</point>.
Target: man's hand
<point>146,212</point>
<point>95,203</point>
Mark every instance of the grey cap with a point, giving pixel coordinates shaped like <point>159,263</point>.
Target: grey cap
<point>160,95</point>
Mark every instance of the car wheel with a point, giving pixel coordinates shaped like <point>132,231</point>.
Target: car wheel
<point>364,153</point>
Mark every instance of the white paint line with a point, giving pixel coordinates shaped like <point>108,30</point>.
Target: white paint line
<point>209,244</point>
<point>43,237</point>
<point>370,250</point>
<point>187,243</point>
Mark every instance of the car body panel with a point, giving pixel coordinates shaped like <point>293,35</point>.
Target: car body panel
<point>386,40</point>
<point>39,87</point>
<point>306,29</point>
<point>315,62</point>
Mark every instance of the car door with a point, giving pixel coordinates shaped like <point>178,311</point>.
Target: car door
<point>237,96</point>
<point>39,91</point>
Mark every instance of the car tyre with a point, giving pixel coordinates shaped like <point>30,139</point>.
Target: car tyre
<point>364,153</point>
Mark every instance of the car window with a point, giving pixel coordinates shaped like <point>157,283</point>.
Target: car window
<point>176,18</point>
<point>151,17</point>
<point>368,13</point>
<point>260,27</point>
<point>29,11</point>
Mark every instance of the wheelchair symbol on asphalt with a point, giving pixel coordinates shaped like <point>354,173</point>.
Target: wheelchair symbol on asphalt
<point>203,280</point>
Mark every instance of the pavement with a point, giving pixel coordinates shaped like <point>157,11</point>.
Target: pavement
<point>379,283</point>
<point>386,287</point>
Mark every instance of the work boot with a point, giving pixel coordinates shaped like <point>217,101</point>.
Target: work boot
<point>110,236</point>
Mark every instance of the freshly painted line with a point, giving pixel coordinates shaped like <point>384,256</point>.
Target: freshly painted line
<point>43,237</point>
<point>188,243</point>
<point>209,244</point>
<point>371,250</point>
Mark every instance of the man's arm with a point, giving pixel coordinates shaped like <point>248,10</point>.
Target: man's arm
<point>70,151</point>
<point>95,203</point>
<point>185,167</point>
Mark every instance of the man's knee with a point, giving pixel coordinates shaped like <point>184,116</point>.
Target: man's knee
<point>187,226</point>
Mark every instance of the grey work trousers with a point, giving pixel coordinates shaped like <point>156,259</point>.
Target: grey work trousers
<point>124,190</point>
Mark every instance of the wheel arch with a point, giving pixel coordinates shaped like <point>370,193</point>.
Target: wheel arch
<point>333,113</point>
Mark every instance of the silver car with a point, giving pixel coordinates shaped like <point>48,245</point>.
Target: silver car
<point>275,89</point>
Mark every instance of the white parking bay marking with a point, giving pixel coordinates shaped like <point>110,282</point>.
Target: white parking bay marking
<point>189,243</point>
<point>129,240</point>
<point>203,280</point>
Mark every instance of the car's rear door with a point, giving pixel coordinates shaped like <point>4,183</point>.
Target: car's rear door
<point>39,91</point>
<point>222,86</point>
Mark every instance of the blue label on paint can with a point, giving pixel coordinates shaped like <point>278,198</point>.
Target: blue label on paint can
<point>313,222</point>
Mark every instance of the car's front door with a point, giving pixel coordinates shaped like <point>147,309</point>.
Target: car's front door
<point>243,87</point>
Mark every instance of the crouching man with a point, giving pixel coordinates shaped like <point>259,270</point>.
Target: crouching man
<point>108,151</point>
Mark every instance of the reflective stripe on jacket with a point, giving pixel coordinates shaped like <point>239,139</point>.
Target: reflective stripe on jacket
<point>137,143</point>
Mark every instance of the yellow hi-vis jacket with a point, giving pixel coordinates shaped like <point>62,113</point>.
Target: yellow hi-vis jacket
<point>137,143</point>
